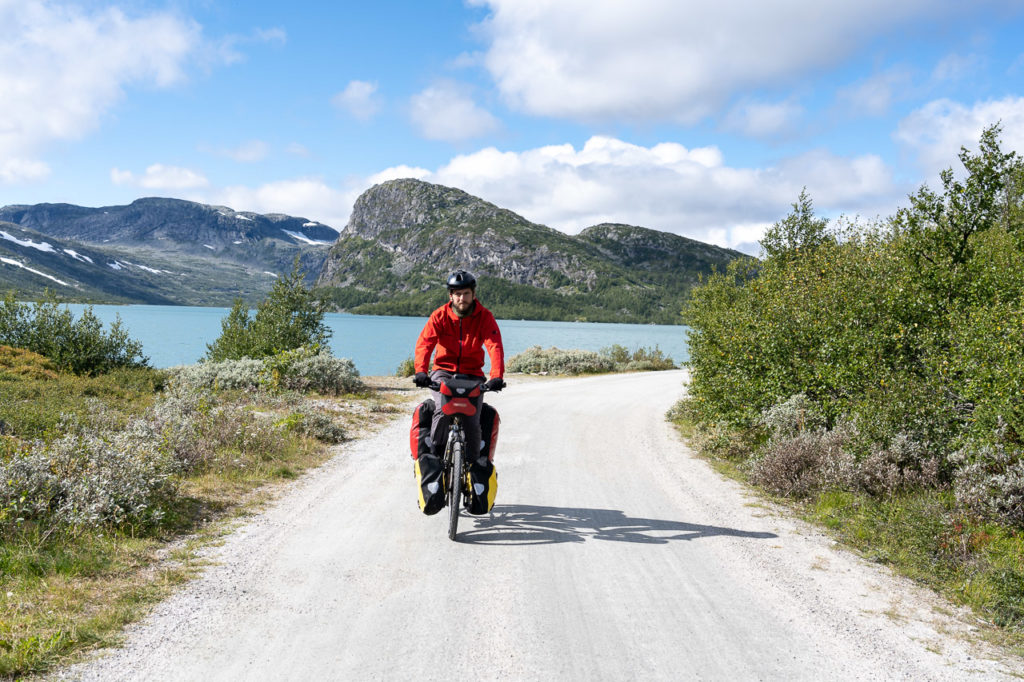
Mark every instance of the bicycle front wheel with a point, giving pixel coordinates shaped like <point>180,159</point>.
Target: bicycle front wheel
<point>455,490</point>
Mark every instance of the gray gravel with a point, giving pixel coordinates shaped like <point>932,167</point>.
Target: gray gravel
<point>612,554</point>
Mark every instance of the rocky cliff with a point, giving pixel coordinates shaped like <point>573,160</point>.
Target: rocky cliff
<point>424,228</point>
<point>404,235</point>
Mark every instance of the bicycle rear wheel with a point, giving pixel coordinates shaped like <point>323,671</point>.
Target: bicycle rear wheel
<point>455,488</point>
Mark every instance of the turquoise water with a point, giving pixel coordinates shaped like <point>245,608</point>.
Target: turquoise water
<point>177,335</point>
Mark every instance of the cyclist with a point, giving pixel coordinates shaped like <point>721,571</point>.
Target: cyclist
<point>460,330</point>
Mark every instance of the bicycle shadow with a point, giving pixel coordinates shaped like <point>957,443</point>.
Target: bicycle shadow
<point>520,524</point>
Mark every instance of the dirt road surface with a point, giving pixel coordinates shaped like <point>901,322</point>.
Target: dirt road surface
<point>612,554</point>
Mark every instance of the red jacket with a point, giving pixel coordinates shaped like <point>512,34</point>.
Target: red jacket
<point>460,342</point>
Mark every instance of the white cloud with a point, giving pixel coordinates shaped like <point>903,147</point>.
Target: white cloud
<point>874,95</point>
<point>936,131</point>
<point>671,60</point>
<point>763,119</point>
<point>446,112</point>
<point>666,187</point>
<point>159,176</point>
<point>248,152</point>
<point>306,197</point>
<point>397,172</point>
<point>226,49</point>
<point>62,67</point>
<point>22,170</point>
<point>956,67</point>
<point>358,99</point>
<point>297,149</point>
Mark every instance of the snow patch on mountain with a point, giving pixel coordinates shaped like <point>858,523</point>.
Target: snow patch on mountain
<point>78,256</point>
<point>298,236</point>
<point>11,261</point>
<point>39,246</point>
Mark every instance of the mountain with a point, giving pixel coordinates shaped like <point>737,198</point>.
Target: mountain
<point>154,250</point>
<point>185,223</point>
<point>405,235</point>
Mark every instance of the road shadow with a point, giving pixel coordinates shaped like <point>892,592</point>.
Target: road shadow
<point>521,524</point>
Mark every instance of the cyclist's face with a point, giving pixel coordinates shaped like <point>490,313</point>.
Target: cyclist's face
<point>462,299</point>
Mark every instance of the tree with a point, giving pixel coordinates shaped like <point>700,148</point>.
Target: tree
<point>938,229</point>
<point>942,224</point>
<point>291,316</point>
<point>799,230</point>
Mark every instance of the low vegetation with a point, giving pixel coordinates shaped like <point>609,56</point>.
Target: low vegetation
<point>81,346</point>
<point>616,358</point>
<point>300,369</point>
<point>536,360</point>
<point>104,471</point>
<point>875,374</point>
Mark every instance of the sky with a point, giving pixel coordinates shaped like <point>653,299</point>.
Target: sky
<point>698,117</point>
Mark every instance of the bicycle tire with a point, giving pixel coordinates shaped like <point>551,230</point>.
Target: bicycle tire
<point>455,488</point>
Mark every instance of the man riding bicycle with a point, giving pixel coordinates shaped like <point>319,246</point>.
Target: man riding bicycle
<point>460,330</point>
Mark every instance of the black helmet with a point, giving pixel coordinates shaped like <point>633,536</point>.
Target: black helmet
<point>460,279</point>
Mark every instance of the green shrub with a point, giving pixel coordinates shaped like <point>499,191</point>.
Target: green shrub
<point>537,360</point>
<point>300,369</point>
<point>640,360</point>
<point>315,424</point>
<point>406,368</point>
<point>242,374</point>
<point>322,373</point>
<point>615,358</point>
<point>617,353</point>
<point>911,329</point>
<point>290,317</point>
<point>792,417</point>
<point>89,479</point>
<point>80,346</point>
<point>990,479</point>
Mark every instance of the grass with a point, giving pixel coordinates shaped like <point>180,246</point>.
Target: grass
<point>36,400</point>
<point>919,533</point>
<point>67,591</point>
<point>77,593</point>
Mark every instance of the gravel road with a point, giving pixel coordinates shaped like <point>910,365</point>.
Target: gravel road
<point>612,554</point>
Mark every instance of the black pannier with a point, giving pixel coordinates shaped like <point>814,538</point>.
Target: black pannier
<point>426,466</point>
<point>483,478</point>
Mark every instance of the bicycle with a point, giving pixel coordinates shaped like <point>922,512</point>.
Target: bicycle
<point>457,394</point>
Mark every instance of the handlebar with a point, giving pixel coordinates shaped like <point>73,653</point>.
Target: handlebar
<point>436,386</point>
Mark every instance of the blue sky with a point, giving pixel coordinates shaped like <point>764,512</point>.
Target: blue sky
<point>696,117</point>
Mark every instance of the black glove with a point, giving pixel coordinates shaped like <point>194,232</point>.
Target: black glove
<point>421,379</point>
<point>495,384</point>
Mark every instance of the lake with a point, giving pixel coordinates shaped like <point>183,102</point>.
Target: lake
<point>177,335</point>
